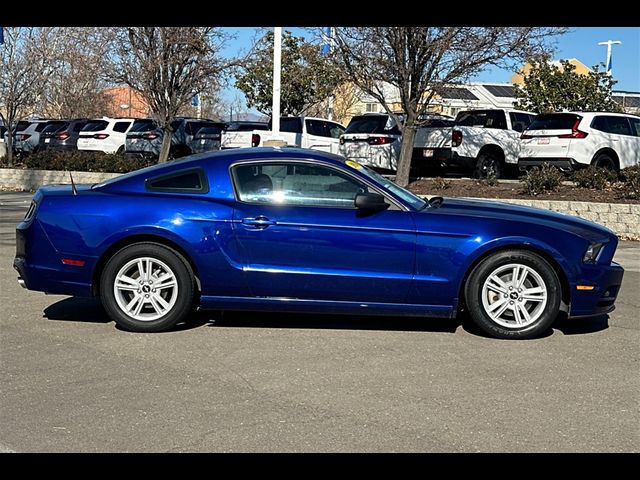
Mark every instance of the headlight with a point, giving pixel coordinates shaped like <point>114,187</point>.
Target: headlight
<point>591,255</point>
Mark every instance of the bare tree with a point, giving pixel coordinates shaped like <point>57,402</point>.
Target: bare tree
<point>25,66</point>
<point>75,87</point>
<point>168,65</point>
<point>417,61</point>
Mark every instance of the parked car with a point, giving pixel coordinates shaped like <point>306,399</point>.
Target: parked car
<point>486,142</point>
<point>372,139</point>
<point>26,138</point>
<point>145,137</point>
<point>61,134</point>
<point>233,135</point>
<point>574,140</point>
<point>105,134</point>
<point>285,229</point>
<point>207,139</point>
<point>306,132</point>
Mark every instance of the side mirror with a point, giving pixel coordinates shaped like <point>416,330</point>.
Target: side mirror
<point>370,201</point>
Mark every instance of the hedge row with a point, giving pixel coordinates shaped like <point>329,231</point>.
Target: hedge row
<point>82,161</point>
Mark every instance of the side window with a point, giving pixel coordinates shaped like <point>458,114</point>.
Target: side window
<point>121,127</point>
<point>519,121</point>
<point>175,125</point>
<point>184,181</point>
<point>291,124</point>
<point>316,127</point>
<point>79,126</point>
<point>635,126</point>
<point>335,129</point>
<point>612,124</point>
<point>299,184</point>
<point>496,119</point>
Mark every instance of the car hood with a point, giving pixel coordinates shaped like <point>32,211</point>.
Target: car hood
<point>491,209</point>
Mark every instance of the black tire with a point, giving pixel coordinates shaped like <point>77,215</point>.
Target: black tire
<point>488,164</point>
<point>181,300</point>
<point>544,314</point>
<point>606,161</point>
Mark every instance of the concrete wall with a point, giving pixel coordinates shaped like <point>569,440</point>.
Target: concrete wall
<point>622,218</point>
<point>24,180</point>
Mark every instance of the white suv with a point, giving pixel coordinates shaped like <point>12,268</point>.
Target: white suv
<point>578,139</point>
<point>105,134</point>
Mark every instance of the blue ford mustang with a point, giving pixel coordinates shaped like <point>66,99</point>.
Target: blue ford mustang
<point>307,231</point>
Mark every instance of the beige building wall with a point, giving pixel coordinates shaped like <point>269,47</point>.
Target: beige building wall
<point>518,77</point>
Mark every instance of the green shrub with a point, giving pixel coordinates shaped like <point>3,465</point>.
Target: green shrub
<point>630,185</point>
<point>594,178</point>
<point>84,161</point>
<point>489,181</point>
<point>539,180</point>
<point>440,183</point>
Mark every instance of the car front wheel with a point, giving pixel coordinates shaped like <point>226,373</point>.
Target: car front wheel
<point>513,294</point>
<point>147,287</point>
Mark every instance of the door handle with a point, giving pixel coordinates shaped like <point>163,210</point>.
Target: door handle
<point>258,222</point>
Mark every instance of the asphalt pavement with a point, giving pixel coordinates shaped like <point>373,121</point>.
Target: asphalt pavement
<point>252,382</point>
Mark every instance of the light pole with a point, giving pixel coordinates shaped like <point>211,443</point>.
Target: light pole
<point>609,43</point>
<point>277,59</point>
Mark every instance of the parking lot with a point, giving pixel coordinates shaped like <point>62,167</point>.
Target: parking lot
<point>252,382</point>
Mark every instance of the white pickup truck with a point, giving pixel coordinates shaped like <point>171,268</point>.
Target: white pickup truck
<point>305,132</point>
<point>485,141</point>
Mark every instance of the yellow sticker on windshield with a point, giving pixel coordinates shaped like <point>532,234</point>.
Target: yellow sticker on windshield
<point>353,164</point>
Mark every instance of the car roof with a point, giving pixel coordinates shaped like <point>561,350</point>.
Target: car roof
<point>132,179</point>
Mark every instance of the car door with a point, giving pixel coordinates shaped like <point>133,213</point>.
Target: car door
<point>302,237</point>
<point>319,137</point>
<point>615,133</point>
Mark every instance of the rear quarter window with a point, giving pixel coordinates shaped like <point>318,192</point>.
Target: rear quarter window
<point>184,181</point>
<point>121,127</point>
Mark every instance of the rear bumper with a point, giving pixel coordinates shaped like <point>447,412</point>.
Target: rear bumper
<point>607,280</point>
<point>431,156</point>
<point>564,164</point>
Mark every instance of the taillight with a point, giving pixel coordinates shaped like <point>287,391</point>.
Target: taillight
<point>456,138</point>
<point>150,136</point>
<point>23,136</point>
<point>255,140</point>
<point>380,140</point>
<point>575,133</point>
<point>524,136</point>
<point>101,136</point>
<point>62,136</point>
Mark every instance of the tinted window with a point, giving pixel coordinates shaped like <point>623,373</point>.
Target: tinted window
<point>554,121</point>
<point>54,127</point>
<point>95,126</point>
<point>121,127</point>
<point>22,125</point>
<point>437,123</point>
<point>78,126</point>
<point>612,124</point>
<point>635,126</point>
<point>40,126</point>
<point>295,184</point>
<point>210,131</point>
<point>317,127</point>
<point>291,124</point>
<point>246,126</point>
<point>482,118</point>
<point>192,181</point>
<point>519,121</point>
<point>143,126</point>
<point>193,127</point>
<point>175,125</point>
<point>370,124</point>
<point>335,129</point>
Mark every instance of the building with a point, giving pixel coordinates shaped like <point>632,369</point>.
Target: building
<point>452,99</point>
<point>123,101</point>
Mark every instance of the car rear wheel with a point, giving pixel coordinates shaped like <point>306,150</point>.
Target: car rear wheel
<point>513,294</point>
<point>488,165</point>
<point>147,287</point>
<point>605,160</point>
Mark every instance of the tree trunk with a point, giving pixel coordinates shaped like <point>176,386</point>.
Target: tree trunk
<point>166,145</point>
<point>406,152</point>
<point>9,148</point>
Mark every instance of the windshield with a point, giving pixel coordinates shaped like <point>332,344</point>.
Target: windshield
<point>408,197</point>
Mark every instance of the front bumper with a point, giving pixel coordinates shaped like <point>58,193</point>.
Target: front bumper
<point>606,280</point>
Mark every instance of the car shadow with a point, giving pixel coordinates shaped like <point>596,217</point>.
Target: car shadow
<point>90,310</point>
<point>256,319</point>
<point>582,326</point>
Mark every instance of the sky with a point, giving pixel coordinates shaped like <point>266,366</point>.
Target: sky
<point>579,42</point>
